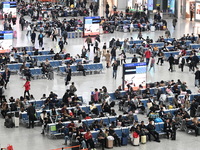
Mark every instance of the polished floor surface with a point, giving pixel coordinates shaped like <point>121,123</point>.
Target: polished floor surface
<point>31,139</point>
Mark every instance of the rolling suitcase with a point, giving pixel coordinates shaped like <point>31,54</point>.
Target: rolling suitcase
<point>136,141</point>
<point>124,141</point>
<point>143,139</point>
<point>109,142</point>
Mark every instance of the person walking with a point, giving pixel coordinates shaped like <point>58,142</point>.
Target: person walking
<point>88,41</point>
<point>33,36</point>
<point>113,53</point>
<point>68,71</point>
<point>123,57</point>
<point>181,63</point>
<point>6,77</point>
<point>31,115</point>
<point>160,57</point>
<point>27,87</point>
<point>171,62</point>
<point>115,66</point>
<point>64,34</point>
<point>40,39</point>
<point>174,21</point>
<point>197,77</point>
<point>147,56</point>
<point>54,34</point>
<point>152,63</point>
<point>107,58</point>
<point>61,45</point>
<point>28,29</point>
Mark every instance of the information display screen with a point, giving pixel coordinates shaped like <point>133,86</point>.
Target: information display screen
<point>10,7</point>
<point>197,10</point>
<point>150,4</point>
<point>134,75</point>
<point>6,41</point>
<point>91,26</point>
<point>171,6</point>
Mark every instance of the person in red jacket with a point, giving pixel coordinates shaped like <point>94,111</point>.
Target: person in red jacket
<point>89,140</point>
<point>147,56</point>
<point>27,87</point>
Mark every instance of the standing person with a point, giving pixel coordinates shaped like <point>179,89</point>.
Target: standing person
<point>115,66</point>
<point>147,56</point>
<point>61,45</point>
<point>88,41</point>
<point>194,61</point>
<point>152,64</point>
<point>191,13</point>
<point>174,21</point>
<point>131,27</point>
<point>40,39</point>
<point>28,29</point>
<point>171,62</point>
<point>107,58</point>
<point>181,63</point>
<point>22,22</point>
<point>160,57</point>
<point>54,34</point>
<point>31,115</point>
<point>69,74</point>
<point>64,34</point>
<point>33,36</point>
<point>6,77</point>
<point>113,53</point>
<point>123,57</point>
<point>27,87</point>
<point>197,77</point>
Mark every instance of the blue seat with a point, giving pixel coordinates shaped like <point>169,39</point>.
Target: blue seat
<point>105,120</point>
<point>112,118</point>
<point>144,101</point>
<point>61,69</point>
<point>90,121</point>
<point>118,131</point>
<point>85,108</point>
<point>125,130</point>
<point>94,136</point>
<point>99,107</point>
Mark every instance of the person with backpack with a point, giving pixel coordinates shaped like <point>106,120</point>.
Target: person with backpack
<point>40,39</point>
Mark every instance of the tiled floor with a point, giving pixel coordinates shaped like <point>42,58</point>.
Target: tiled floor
<point>31,139</point>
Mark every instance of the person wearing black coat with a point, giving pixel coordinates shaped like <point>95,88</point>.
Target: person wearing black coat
<point>33,36</point>
<point>152,131</point>
<point>6,77</point>
<point>61,45</point>
<point>197,77</point>
<point>31,115</point>
<point>193,108</point>
<point>68,71</point>
<point>167,128</point>
<point>171,62</point>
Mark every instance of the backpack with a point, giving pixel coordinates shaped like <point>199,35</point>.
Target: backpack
<point>41,36</point>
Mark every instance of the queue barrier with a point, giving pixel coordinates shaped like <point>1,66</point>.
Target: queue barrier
<point>62,148</point>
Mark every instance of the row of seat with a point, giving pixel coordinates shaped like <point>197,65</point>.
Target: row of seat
<point>51,128</point>
<point>88,68</point>
<point>53,63</point>
<point>24,116</point>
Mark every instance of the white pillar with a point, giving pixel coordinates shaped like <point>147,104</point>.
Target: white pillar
<point>101,8</point>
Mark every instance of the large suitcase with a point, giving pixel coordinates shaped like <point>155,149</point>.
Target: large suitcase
<point>136,141</point>
<point>143,139</point>
<point>124,141</point>
<point>109,144</point>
